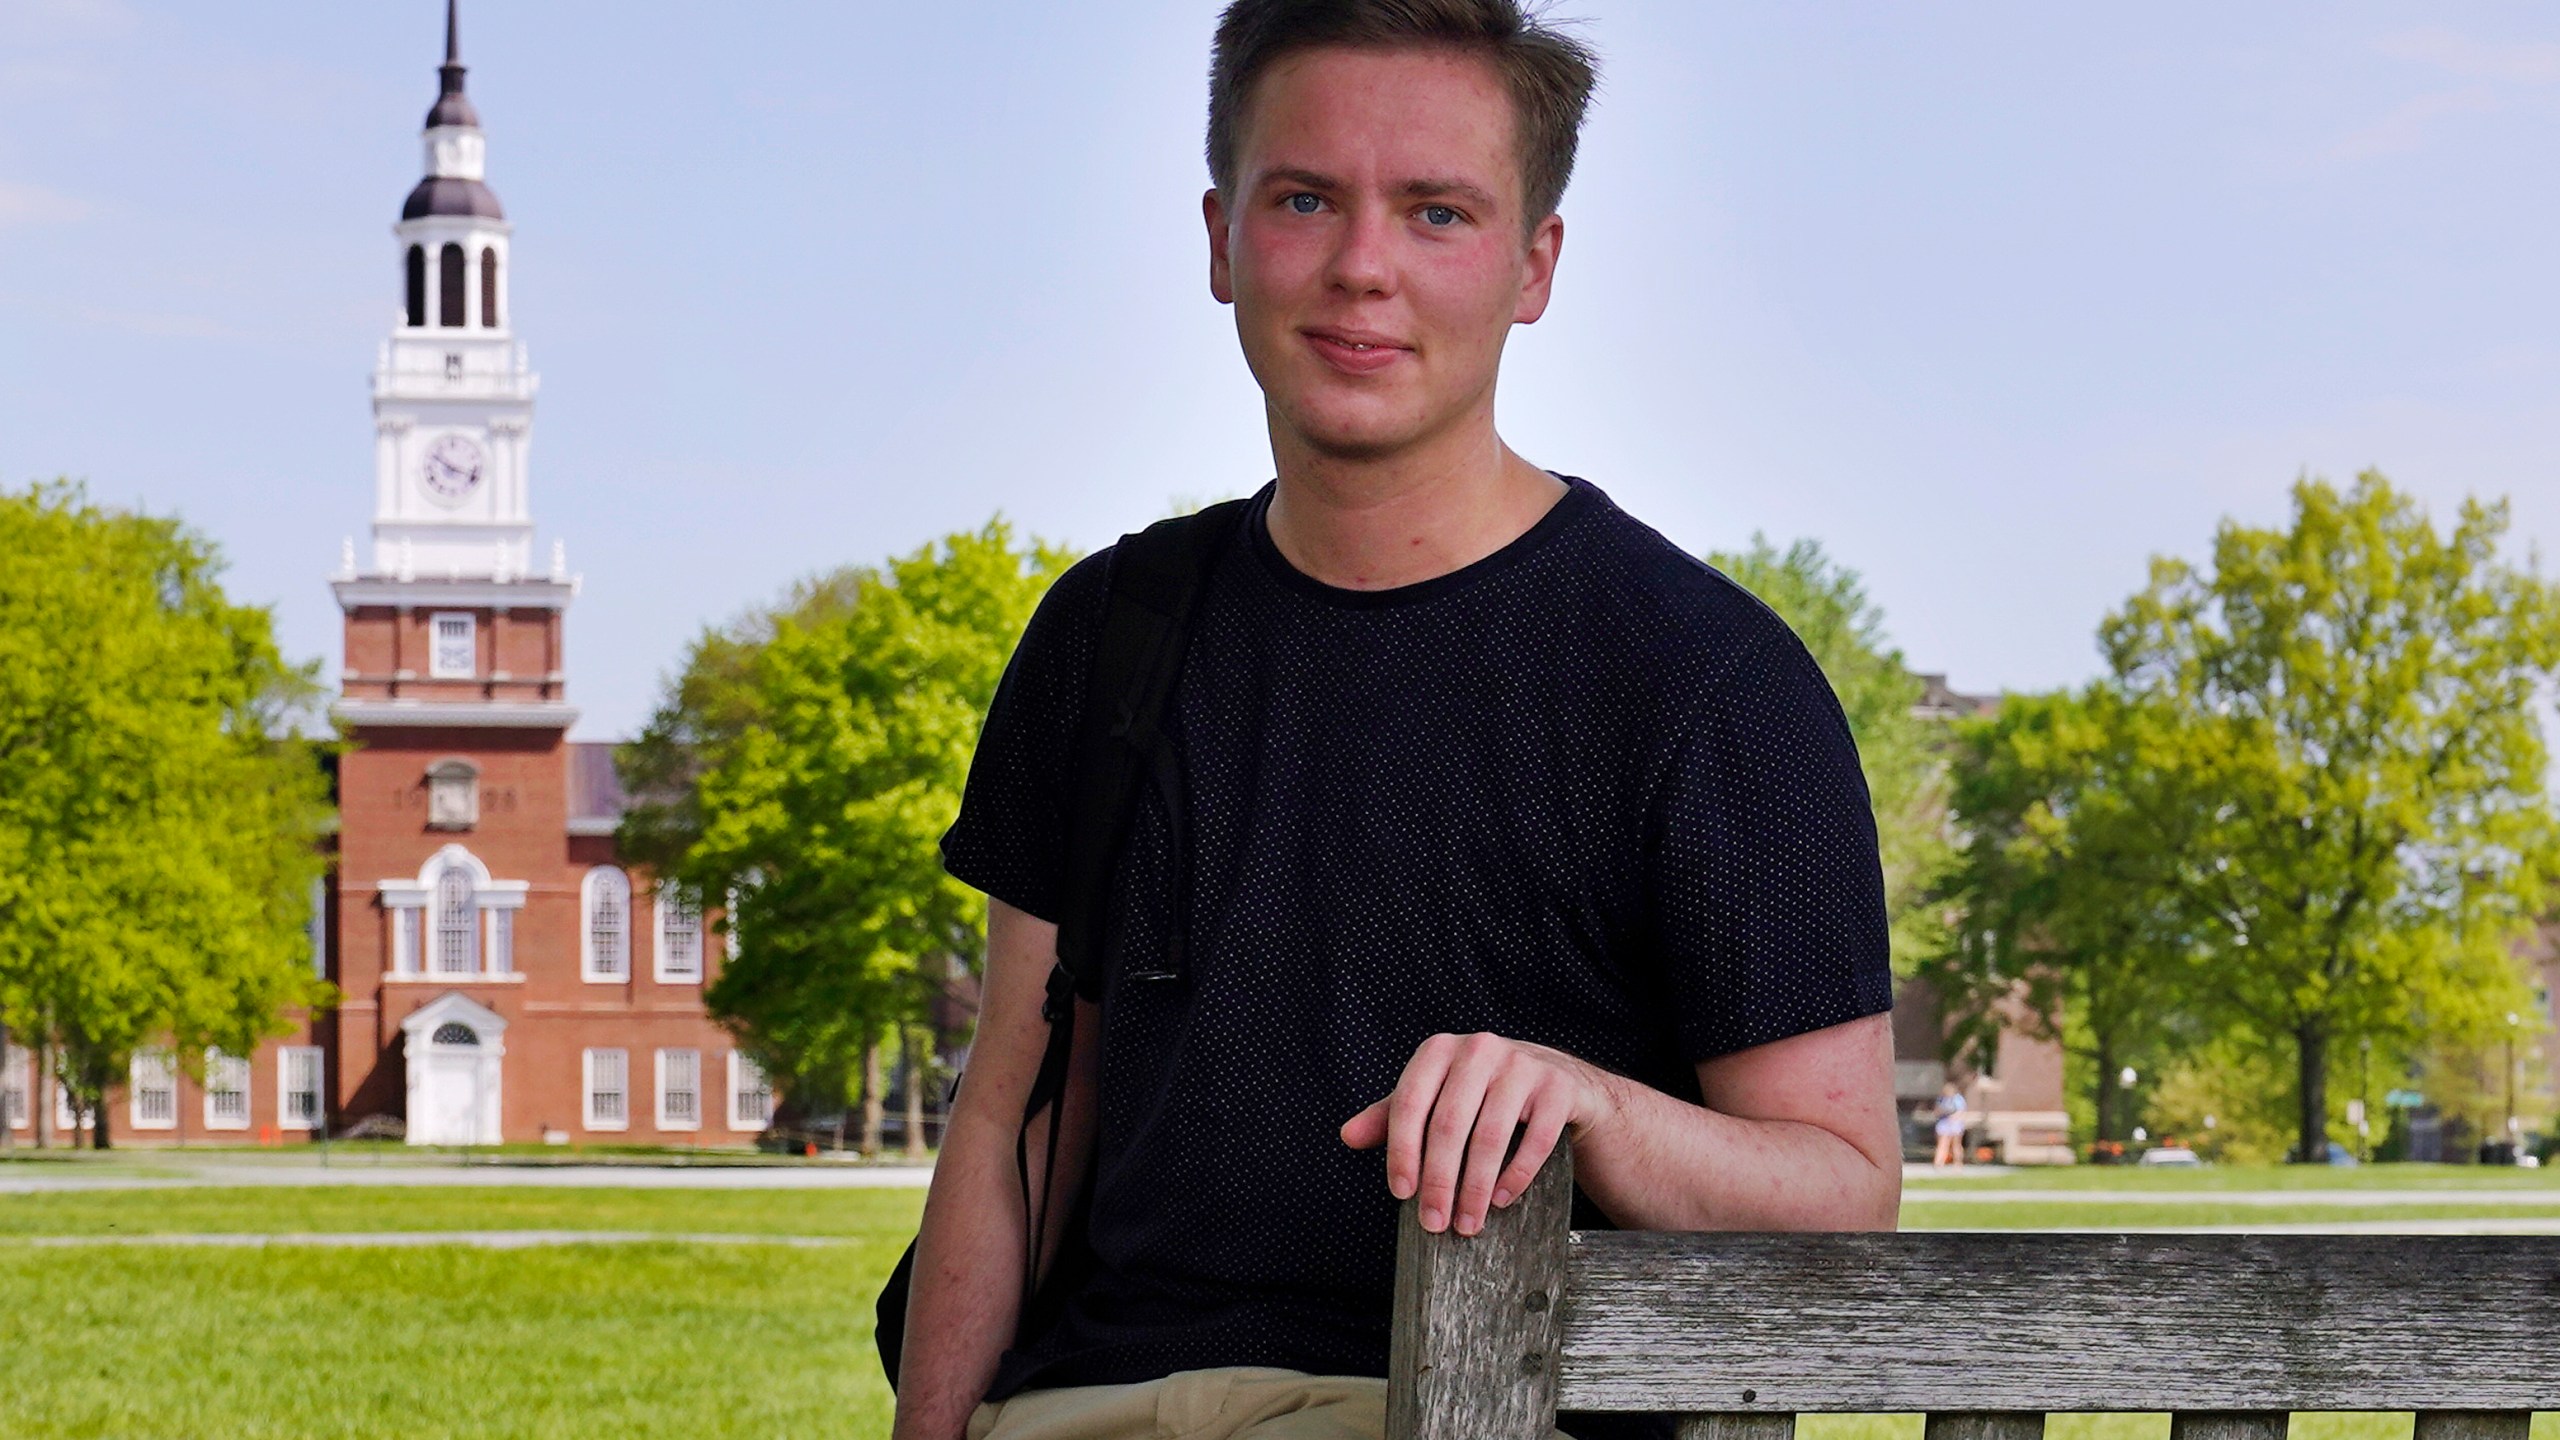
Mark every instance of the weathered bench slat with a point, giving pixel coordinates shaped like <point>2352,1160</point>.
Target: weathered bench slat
<point>2057,1322</point>
<point>1983,1425</point>
<point>2229,1425</point>
<point>1476,1333</point>
<point>1731,1425</point>
<point>2476,1424</point>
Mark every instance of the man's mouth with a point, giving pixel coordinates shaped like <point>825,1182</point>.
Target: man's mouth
<point>1355,352</point>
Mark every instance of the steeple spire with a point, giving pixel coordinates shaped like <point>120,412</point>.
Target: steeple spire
<point>452,107</point>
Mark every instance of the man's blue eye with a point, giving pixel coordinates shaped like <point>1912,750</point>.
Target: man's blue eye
<point>1304,203</point>
<point>1439,215</point>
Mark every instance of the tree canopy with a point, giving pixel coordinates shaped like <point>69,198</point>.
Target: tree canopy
<point>160,824</point>
<point>1827,606</point>
<point>2306,809</point>
<point>806,761</point>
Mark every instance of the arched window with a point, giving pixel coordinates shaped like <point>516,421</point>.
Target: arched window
<point>679,938</point>
<point>417,285</point>
<point>457,949</point>
<point>489,287</point>
<point>449,286</point>
<point>454,1032</point>
<point>608,929</point>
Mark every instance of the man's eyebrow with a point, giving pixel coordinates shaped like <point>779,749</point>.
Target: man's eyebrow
<point>1307,178</point>
<point>1428,186</point>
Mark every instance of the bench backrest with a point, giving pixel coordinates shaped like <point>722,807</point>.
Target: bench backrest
<point>1985,1332</point>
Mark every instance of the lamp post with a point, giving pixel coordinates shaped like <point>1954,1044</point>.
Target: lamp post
<point>2513,1020</point>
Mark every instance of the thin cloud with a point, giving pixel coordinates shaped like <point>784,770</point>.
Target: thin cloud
<point>2532,62</point>
<point>22,204</point>
<point>2404,129</point>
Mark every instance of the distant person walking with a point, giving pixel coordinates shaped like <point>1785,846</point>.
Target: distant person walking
<point>1950,1125</point>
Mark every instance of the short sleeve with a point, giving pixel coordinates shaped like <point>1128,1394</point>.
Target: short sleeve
<point>1768,882</point>
<point>1010,837</point>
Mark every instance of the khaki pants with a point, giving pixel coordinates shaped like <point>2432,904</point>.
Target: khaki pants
<point>1238,1403</point>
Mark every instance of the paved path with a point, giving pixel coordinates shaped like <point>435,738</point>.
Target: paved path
<point>35,1178</point>
<point>2548,1196</point>
<point>480,1239</point>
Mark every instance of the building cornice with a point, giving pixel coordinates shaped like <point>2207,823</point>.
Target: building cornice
<point>467,715</point>
<point>531,593</point>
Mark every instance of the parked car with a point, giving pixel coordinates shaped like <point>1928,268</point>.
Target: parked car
<point>2170,1155</point>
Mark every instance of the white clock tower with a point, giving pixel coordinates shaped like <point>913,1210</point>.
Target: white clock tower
<point>452,394</point>
<point>452,621</point>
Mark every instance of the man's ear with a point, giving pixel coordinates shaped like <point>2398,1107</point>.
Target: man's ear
<point>1222,280</point>
<point>1538,274</point>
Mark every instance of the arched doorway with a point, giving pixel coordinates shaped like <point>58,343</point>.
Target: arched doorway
<point>455,1060</point>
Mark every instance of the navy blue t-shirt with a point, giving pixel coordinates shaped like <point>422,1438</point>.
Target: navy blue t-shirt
<point>1585,792</point>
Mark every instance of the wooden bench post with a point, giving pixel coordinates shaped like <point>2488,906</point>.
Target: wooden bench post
<point>1477,1334</point>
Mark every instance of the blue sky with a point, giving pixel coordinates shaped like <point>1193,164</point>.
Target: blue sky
<point>1996,300</point>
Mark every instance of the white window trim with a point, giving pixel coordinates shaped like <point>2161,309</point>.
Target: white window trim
<point>587,1087</point>
<point>587,927</point>
<point>436,668</point>
<point>666,1121</point>
<point>166,1064</point>
<point>740,1067</point>
<point>285,1118</point>
<point>214,1062</point>
<point>660,908</point>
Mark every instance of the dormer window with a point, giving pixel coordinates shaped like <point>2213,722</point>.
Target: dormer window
<point>455,651</point>
<point>453,795</point>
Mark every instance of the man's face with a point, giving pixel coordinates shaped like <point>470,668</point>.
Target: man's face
<point>1373,246</point>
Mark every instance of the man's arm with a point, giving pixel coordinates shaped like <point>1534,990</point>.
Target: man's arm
<point>963,1309</point>
<point>1797,1134</point>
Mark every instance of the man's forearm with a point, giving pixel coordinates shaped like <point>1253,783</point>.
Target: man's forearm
<point>1658,1162</point>
<point>968,1281</point>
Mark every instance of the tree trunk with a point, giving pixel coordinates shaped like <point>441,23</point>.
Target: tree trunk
<point>97,1104</point>
<point>2107,1088</point>
<point>918,1053</point>
<point>872,1108</point>
<point>42,1099</point>
<point>2311,1042</point>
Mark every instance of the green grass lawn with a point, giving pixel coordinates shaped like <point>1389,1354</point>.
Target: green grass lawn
<point>650,1338</point>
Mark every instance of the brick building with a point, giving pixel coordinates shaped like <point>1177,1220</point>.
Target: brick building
<point>501,976</point>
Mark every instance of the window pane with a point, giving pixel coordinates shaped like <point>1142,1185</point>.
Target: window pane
<point>457,924</point>
<point>299,1067</point>
<point>226,1089</point>
<point>609,924</point>
<point>456,653</point>
<point>679,937</point>
<point>605,1087</point>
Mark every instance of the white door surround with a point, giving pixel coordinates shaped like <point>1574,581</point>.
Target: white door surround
<point>456,1060</point>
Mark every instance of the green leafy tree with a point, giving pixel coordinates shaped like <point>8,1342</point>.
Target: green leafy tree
<point>159,821</point>
<point>807,762</point>
<point>2068,890</point>
<point>2371,834</point>
<point>1828,608</point>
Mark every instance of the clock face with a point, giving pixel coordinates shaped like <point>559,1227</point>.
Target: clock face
<point>452,469</point>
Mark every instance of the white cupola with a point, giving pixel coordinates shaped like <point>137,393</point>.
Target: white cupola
<point>452,392</point>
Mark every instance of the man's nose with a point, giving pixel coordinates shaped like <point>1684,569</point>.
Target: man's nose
<point>1364,260</point>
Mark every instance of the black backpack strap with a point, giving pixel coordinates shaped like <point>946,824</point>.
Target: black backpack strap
<point>1155,578</point>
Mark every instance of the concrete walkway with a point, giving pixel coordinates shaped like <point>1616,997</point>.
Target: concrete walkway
<point>2548,1196</point>
<point>403,1239</point>
<point>25,1179</point>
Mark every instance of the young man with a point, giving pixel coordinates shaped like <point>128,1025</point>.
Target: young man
<point>1505,818</point>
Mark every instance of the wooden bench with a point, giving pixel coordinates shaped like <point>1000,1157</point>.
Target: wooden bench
<point>1985,1333</point>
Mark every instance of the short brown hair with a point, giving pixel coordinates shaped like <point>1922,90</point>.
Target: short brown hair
<point>1549,73</point>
